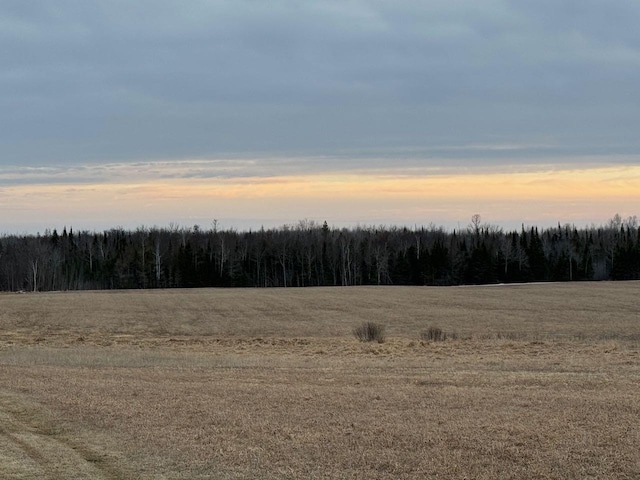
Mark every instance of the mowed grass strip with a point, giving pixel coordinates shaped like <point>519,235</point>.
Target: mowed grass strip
<point>288,392</point>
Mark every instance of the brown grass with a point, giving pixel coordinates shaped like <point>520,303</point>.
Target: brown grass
<point>542,382</point>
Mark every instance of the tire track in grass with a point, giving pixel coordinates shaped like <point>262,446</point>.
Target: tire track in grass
<point>32,447</point>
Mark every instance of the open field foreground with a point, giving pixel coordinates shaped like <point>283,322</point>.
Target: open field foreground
<point>540,381</point>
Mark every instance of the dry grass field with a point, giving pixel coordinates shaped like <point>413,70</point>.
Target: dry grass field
<point>540,381</point>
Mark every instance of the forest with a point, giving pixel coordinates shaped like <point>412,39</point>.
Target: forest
<point>314,254</point>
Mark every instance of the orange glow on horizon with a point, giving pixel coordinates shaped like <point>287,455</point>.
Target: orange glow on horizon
<point>563,193</point>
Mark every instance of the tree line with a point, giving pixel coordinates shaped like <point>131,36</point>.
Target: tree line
<point>313,254</point>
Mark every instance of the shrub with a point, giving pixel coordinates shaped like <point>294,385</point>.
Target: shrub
<point>369,332</point>
<point>434,334</point>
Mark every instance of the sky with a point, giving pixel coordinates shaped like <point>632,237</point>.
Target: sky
<point>119,113</point>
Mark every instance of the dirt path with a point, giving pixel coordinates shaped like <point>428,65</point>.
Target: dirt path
<point>33,447</point>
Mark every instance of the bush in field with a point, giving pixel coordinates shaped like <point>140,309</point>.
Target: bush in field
<point>369,332</point>
<point>434,334</point>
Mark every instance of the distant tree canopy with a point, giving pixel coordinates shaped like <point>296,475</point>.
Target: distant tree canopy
<point>311,254</point>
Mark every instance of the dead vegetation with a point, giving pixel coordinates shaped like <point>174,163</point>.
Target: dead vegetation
<point>434,334</point>
<point>370,332</point>
<point>540,383</point>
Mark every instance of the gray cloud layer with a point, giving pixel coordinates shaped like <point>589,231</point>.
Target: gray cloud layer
<point>115,81</point>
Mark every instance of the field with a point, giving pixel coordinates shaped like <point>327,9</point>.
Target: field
<point>535,381</point>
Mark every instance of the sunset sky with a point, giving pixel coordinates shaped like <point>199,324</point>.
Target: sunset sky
<point>118,113</point>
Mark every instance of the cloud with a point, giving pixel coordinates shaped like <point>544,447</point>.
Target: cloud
<point>542,196</point>
<point>117,81</point>
<point>435,162</point>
